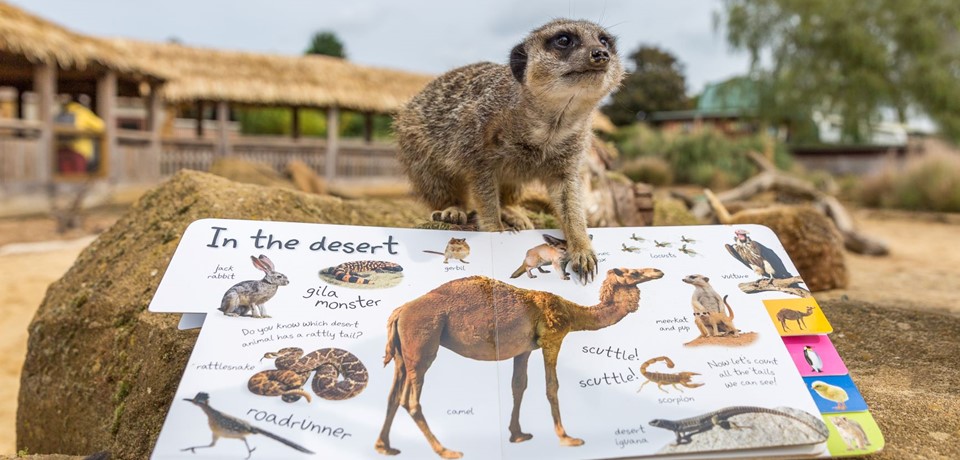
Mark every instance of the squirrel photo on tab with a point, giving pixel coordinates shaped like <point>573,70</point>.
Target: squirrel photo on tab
<point>478,133</point>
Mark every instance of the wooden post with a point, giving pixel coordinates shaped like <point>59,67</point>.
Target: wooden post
<point>155,114</point>
<point>199,119</point>
<point>223,134</point>
<point>107,111</point>
<point>333,135</point>
<point>45,85</point>
<point>368,127</point>
<point>19,107</point>
<point>295,123</point>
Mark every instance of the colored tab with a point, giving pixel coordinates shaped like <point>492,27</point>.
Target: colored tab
<point>798,316</point>
<point>815,355</point>
<point>835,393</point>
<point>853,434</point>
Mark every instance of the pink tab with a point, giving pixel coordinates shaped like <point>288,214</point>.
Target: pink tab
<point>815,355</point>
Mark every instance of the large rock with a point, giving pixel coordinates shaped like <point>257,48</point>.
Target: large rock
<point>811,240</point>
<point>100,370</point>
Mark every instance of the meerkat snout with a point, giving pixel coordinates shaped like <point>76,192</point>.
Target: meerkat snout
<point>599,56</point>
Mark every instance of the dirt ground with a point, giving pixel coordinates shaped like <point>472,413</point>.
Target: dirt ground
<point>920,273</point>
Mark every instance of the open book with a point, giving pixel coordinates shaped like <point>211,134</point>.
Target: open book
<point>364,342</point>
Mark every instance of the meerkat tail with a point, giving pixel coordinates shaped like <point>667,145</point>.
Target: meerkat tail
<point>433,252</point>
<point>519,271</point>
<point>729,309</point>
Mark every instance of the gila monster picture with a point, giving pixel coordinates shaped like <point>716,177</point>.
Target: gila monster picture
<point>364,273</point>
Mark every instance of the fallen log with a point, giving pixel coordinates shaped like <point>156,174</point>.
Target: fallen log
<point>771,179</point>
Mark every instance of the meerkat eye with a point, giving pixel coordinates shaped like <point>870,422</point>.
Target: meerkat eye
<point>605,41</point>
<point>562,41</point>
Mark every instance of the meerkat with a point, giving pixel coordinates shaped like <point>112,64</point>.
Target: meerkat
<point>708,308</point>
<point>482,131</point>
<point>457,248</point>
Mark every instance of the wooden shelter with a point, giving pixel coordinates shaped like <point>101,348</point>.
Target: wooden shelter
<point>43,59</point>
<point>221,78</point>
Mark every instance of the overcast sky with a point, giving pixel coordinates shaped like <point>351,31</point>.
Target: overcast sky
<point>429,36</point>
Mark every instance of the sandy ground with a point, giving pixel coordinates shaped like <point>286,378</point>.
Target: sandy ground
<point>920,273</point>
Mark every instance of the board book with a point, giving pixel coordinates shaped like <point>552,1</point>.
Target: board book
<point>347,342</point>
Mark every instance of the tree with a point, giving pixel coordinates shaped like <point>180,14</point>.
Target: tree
<point>655,83</point>
<point>852,58</point>
<point>327,44</point>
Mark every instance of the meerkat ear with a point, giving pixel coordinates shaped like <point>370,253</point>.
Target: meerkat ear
<point>518,62</point>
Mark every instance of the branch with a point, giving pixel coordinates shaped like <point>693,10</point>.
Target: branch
<point>781,285</point>
<point>772,179</point>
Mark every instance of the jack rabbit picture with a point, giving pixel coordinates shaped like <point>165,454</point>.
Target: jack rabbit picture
<point>249,297</point>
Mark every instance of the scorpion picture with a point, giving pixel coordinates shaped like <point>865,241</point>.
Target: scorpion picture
<point>663,378</point>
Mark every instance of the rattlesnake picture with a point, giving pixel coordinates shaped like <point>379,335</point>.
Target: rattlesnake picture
<point>339,375</point>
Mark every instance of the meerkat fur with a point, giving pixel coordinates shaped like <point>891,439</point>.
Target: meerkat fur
<point>708,308</point>
<point>478,133</point>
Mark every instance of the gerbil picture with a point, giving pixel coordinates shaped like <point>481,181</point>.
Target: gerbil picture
<point>713,316</point>
<point>248,297</point>
<point>479,133</point>
<point>370,274</point>
<point>457,249</point>
<point>488,320</point>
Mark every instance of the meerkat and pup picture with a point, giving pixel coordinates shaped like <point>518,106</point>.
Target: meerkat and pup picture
<point>478,133</point>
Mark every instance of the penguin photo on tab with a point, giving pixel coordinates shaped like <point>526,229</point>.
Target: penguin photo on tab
<point>813,359</point>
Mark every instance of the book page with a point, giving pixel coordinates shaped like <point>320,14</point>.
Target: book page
<point>306,364</point>
<point>354,342</point>
<point>633,351</point>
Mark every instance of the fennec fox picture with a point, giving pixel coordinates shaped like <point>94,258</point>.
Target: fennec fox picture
<point>552,252</point>
<point>478,133</point>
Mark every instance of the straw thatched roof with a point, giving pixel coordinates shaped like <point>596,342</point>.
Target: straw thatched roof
<point>202,74</point>
<point>41,41</point>
<point>263,79</point>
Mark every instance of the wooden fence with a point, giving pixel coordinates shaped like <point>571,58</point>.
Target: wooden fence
<point>135,161</point>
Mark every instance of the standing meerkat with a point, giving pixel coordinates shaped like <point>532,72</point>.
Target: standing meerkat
<point>484,130</point>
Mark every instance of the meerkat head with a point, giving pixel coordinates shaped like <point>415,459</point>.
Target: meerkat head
<point>696,280</point>
<point>568,59</point>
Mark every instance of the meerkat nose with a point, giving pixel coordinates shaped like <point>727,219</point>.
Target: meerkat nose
<point>599,55</point>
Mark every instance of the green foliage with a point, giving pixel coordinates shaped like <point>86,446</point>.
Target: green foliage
<point>852,57</point>
<point>655,82</point>
<point>925,183</point>
<point>705,157</point>
<point>277,121</point>
<point>326,43</point>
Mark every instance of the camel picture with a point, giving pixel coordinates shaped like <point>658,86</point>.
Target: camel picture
<point>484,319</point>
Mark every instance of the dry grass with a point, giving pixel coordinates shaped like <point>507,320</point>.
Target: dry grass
<point>649,170</point>
<point>923,183</point>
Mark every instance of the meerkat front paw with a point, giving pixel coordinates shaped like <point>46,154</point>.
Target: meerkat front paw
<point>452,215</point>
<point>515,219</point>
<point>584,263</point>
